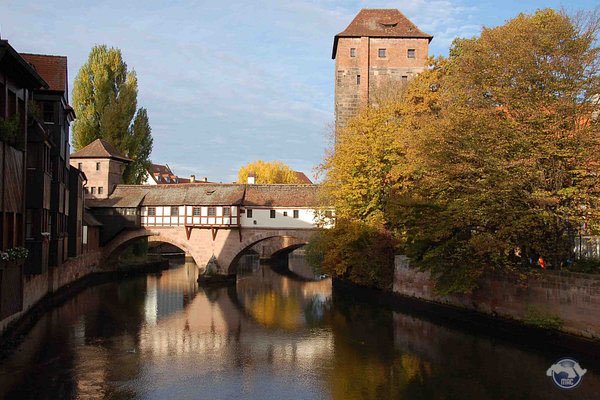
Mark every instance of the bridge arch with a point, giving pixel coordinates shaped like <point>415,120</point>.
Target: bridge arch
<point>285,241</point>
<point>125,238</point>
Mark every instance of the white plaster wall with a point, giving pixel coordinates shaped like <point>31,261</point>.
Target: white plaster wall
<point>306,218</point>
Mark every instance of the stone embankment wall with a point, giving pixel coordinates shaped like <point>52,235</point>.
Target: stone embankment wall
<point>35,287</point>
<point>572,297</point>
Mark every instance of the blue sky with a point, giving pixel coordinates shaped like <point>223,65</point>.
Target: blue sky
<point>229,82</point>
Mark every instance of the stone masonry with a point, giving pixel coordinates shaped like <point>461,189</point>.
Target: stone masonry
<point>378,50</point>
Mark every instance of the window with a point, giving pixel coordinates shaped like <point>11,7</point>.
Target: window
<point>196,211</point>
<point>48,112</point>
<point>226,211</point>
<point>404,79</point>
<point>296,214</point>
<point>212,211</point>
<point>353,52</point>
<point>87,190</point>
<point>285,213</point>
<point>97,166</point>
<point>151,211</point>
<point>100,190</point>
<point>358,79</point>
<point>272,213</point>
<point>174,211</point>
<point>249,213</point>
<point>93,190</point>
<point>381,53</point>
<point>79,166</point>
<point>411,53</point>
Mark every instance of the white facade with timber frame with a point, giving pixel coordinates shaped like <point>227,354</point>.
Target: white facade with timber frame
<point>219,206</point>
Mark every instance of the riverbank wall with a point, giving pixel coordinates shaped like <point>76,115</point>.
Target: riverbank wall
<point>36,287</point>
<point>43,291</point>
<point>567,301</point>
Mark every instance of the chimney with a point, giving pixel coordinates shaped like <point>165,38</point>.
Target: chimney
<point>192,178</point>
<point>251,178</point>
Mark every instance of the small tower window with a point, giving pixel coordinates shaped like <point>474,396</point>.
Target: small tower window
<point>404,79</point>
<point>353,52</point>
<point>97,166</point>
<point>411,53</point>
<point>93,190</point>
<point>79,166</point>
<point>358,79</point>
<point>382,53</point>
<point>100,190</point>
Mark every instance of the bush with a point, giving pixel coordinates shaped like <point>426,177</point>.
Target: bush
<point>354,251</point>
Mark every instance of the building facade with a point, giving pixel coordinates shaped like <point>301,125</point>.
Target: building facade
<point>103,166</point>
<point>18,79</point>
<point>56,115</point>
<point>380,50</point>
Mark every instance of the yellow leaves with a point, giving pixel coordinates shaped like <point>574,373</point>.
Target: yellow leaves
<point>268,172</point>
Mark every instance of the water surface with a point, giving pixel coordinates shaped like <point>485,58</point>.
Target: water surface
<point>273,336</point>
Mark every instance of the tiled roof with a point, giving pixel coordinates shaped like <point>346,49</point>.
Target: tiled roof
<point>123,196</point>
<point>52,68</point>
<point>374,22</point>
<point>100,148</point>
<point>302,178</point>
<point>211,194</point>
<point>282,195</point>
<point>193,194</point>
<point>16,66</point>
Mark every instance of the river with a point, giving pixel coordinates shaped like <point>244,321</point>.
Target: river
<point>272,336</point>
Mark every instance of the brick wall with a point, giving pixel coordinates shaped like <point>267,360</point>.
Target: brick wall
<point>376,73</point>
<point>573,297</point>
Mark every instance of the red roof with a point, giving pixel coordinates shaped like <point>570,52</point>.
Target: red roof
<point>52,68</point>
<point>100,148</point>
<point>302,178</point>
<point>380,22</point>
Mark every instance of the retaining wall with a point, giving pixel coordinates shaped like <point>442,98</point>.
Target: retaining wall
<point>35,287</point>
<point>572,297</point>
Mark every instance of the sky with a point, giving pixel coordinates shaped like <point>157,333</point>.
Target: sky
<point>229,82</point>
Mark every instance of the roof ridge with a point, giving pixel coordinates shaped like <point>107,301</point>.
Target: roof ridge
<point>43,55</point>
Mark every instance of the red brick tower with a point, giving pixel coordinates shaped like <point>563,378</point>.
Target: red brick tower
<point>379,46</point>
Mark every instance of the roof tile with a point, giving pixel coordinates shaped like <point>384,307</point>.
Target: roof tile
<point>100,148</point>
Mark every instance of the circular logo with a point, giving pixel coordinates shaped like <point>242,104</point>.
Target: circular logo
<point>566,373</point>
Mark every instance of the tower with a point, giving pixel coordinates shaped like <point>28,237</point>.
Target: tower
<point>380,48</point>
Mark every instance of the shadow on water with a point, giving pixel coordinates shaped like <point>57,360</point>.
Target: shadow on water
<point>271,336</point>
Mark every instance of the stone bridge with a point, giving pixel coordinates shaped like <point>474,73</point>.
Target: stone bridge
<point>227,246</point>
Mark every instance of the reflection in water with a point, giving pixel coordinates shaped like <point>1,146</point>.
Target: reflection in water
<point>161,337</point>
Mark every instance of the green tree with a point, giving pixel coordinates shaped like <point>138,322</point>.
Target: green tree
<point>268,172</point>
<point>105,102</point>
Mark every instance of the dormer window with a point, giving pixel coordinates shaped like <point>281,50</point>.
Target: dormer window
<point>382,53</point>
<point>353,52</point>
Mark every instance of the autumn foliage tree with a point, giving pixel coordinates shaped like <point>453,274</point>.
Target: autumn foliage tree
<point>268,172</point>
<point>489,159</point>
<point>105,102</point>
